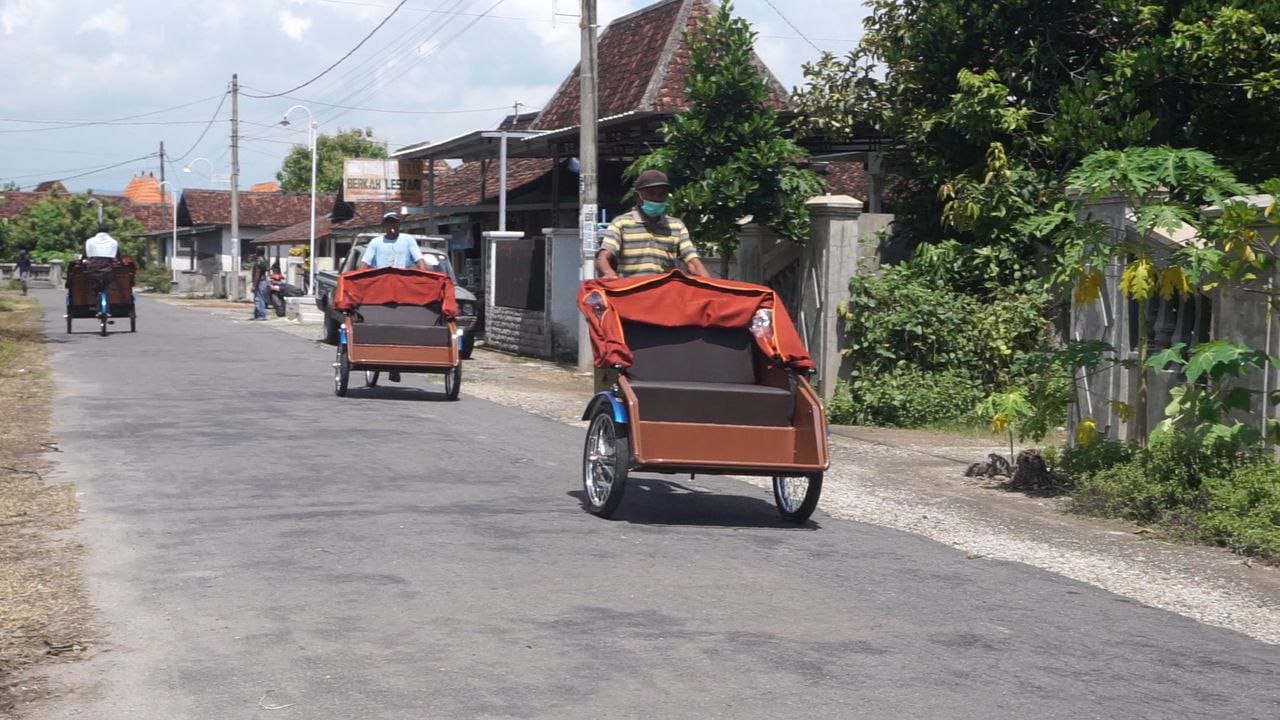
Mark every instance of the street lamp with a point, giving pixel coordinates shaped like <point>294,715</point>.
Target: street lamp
<point>311,127</point>
<point>173,200</point>
<point>189,165</point>
<point>96,201</point>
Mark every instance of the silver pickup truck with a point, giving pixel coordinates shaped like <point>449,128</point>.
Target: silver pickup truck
<point>437,259</point>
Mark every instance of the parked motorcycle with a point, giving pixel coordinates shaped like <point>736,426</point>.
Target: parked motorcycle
<point>278,290</point>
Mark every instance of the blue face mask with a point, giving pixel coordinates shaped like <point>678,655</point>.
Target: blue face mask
<point>653,209</point>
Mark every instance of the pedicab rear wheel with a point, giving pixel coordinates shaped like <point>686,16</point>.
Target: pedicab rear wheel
<point>797,496</point>
<point>341,372</point>
<point>453,382</point>
<point>605,462</point>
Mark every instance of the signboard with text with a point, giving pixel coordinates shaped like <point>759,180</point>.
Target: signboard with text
<point>398,181</point>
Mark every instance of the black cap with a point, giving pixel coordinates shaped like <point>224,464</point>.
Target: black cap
<point>652,178</point>
<point>393,217</point>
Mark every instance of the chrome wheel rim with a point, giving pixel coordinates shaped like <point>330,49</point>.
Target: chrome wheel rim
<point>601,460</point>
<point>791,492</point>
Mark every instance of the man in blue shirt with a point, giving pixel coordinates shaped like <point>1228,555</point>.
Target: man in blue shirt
<point>392,249</point>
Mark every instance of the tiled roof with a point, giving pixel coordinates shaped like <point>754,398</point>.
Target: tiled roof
<point>274,210</point>
<point>144,188</point>
<point>461,188</point>
<point>356,214</point>
<point>13,202</point>
<point>269,186</point>
<point>50,186</point>
<point>846,178</point>
<point>153,216</point>
<point>642,62</point>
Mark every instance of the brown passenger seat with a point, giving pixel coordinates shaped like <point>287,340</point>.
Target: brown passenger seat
<point>400,325</point>
<point>702,375</point>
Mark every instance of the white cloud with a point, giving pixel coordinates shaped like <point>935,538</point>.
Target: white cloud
<point>294,26</point>
<point>112,21</point>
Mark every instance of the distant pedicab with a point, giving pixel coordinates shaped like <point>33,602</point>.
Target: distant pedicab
<point>705,377</point>
<point>101,289</point>
<point>397,320</point>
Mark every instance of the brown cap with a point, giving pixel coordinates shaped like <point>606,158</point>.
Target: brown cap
<point>652,178</point>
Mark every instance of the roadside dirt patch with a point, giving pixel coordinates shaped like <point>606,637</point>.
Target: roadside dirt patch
<point>44,614</point>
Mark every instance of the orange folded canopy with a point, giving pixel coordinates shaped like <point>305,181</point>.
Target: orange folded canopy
<point>677,300</point>
<point>403,286</point>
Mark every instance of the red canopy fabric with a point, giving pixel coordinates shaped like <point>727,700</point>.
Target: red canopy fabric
<point>675,300</point>
<point>405,286</point>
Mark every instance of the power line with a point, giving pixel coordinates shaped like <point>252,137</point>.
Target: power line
<point>380,110</point>
<point>549,21</point>
<point>204,132</point>
<point>432,53</point>
<point>91,170</point>
<point>787,20</point>
<point>401,45</point>
<point>69,124</point>
<point>344,57</point>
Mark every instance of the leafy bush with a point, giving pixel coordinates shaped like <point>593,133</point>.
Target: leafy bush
<point>1086,459</point>
<point>1211,495</point>
<point>1160,483</point>
<point>923,354</point>
<point>1244,512</point>
<point>911,397</point>
<point>157,277</point>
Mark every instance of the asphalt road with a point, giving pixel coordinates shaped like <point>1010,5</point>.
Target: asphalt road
<point>261,548</point>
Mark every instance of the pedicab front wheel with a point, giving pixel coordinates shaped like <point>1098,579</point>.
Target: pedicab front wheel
<point>341,372</point>
<point>797,496</point>
<point>605,462</point>
<point>453,382</point>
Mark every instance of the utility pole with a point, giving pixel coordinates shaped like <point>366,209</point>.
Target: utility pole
<point>588,191</point>
<point>162,162</point>
<point>233,286</point>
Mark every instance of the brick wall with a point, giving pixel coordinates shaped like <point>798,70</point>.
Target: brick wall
<point>516,330</point>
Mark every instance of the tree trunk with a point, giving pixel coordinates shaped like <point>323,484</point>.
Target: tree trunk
<point>726,256</point>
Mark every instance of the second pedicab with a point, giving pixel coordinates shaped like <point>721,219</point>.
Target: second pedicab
<point>397,320</point>
<point>703,376</point>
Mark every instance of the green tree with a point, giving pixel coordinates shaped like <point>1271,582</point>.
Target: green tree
<point>58,225</point>
<point>1045,83</point>
<point>331,150</point>
<point>727,156</point>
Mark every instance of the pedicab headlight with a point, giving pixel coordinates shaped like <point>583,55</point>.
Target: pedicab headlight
<point>595,301</point>
<point>762,324</point>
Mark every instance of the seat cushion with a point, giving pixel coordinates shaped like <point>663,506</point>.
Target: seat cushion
<point>690,354</point>
<point>714,402</point>
<point>398,315</point>
<point>380,334</point>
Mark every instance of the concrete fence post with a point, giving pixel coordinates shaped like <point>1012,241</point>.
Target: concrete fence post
<point>830,258</point>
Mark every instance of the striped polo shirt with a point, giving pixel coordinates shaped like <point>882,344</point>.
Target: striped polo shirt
<point>645,249</point>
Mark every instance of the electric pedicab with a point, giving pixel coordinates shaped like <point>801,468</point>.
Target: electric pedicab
<point>101,292</point>
<point>397,320</point>
<point>703,376</point>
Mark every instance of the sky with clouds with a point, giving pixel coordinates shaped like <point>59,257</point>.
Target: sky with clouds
<point>437,69</point>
